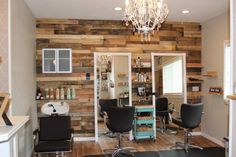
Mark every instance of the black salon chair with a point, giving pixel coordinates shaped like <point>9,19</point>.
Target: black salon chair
<point>164,114</point>
<point>120,121</point>
<point>104,105</point>
<point>190,118</point>
<point>53,136</point>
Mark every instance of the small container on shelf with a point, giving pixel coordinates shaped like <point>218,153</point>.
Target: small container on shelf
<point>51,93</point>
<point>57,94</point>
<point>73,94</point>
<point>47,93</point>
<point>62,93</point>
<point>68,94</point>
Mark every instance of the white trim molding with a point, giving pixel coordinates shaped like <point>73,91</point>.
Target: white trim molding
<point>213,139</point>
<point>82,139</point>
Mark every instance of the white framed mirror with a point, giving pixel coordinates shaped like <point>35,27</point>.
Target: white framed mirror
<point>169,78</point>
<point>112,72</point>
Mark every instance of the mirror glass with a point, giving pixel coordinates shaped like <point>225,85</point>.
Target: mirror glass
<point>169,79</point>
<point>113,84</point>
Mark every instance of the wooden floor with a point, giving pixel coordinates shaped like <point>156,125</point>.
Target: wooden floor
<point>163,142</point>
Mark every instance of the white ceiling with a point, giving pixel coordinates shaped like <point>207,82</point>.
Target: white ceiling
<point>200,10</point>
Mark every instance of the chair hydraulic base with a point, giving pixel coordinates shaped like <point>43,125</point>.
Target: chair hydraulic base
<point>185,145</point>
<point>108,134</point>
<point>164,129</point>
<point>119,149</point>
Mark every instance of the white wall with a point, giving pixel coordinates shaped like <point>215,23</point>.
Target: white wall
<point>23,75</point>
<point>232,135</point>
<point>4,83</point>
<point>214,33</point>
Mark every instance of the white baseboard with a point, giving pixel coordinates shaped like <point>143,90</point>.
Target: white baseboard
<point>217,141</point>
<point>196,133</point>
<point>79,139</point>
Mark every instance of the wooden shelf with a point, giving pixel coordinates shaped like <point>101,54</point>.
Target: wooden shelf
<point>231,97</point>
<point>210,74</point>
<point>194,65</point>
<point>194,82</point>
<point>137,82</point>
<point>62,79</point>
<point>214,93</point>
<point>54,100</point>
<point>134,67</point>
<point>122,76</point>
<point>194,94</point>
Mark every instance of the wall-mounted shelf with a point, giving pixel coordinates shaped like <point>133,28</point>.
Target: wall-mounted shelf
<point>64,79</point>
<point>211,74</point>
<point>231,97</point>
<point>215,90</point>
<point>122,76</point>
<point>194,95</point>
<point>213,93</point>
<point>194,65</point>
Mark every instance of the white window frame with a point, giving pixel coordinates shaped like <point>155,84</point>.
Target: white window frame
<point>57,50</point>
<point>167,64</point>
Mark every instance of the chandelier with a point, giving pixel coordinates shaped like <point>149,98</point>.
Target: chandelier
<point>103,59</point>
<point>145,16</point>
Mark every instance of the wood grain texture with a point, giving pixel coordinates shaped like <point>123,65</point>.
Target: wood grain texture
<point>85,37</point>
<point>163,142</point>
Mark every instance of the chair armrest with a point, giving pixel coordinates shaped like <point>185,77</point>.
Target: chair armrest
<point>35,136</point>
<point>72,137</point>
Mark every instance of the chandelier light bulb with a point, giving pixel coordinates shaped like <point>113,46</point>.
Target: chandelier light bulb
<point>126,2</point>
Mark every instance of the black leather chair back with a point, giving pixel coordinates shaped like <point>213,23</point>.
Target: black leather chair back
<point>105,104</point>
<point>121,118</point>
<point>191,115</point>
<point>162,104</point>
<point>55,128</point>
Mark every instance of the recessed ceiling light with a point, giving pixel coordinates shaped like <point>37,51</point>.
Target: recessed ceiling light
<point>117,8</point>
<point>185,11</point>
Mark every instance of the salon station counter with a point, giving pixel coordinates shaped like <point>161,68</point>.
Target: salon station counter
<point>9,137</point>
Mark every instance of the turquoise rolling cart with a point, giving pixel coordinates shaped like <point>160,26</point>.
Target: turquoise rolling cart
<point>144,123</point>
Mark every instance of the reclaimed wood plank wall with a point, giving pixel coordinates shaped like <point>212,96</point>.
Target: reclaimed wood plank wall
<point>88,36</point>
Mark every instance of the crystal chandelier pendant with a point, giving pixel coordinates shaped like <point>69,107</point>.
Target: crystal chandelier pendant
<point>145,16</point>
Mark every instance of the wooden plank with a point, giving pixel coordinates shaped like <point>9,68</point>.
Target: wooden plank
<point>118,49</point>
<point>56,21</point>
<point>193,34</point>
<point>44,31</point>
<point>167,33</point>
<point>75,37</point>
<point>194,65</point>
<point>49,79</point>
<point>164,46</point>
<point>85,41</point>
<point>188,48</point>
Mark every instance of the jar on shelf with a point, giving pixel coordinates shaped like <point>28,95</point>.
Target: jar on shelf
<point>46,93</point>
<point>57,94</point>
<point>62,93</point>
<point>68,94</point>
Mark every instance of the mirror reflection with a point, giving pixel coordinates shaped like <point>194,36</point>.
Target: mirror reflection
<point>112,86</point>
<point>169,80</point>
